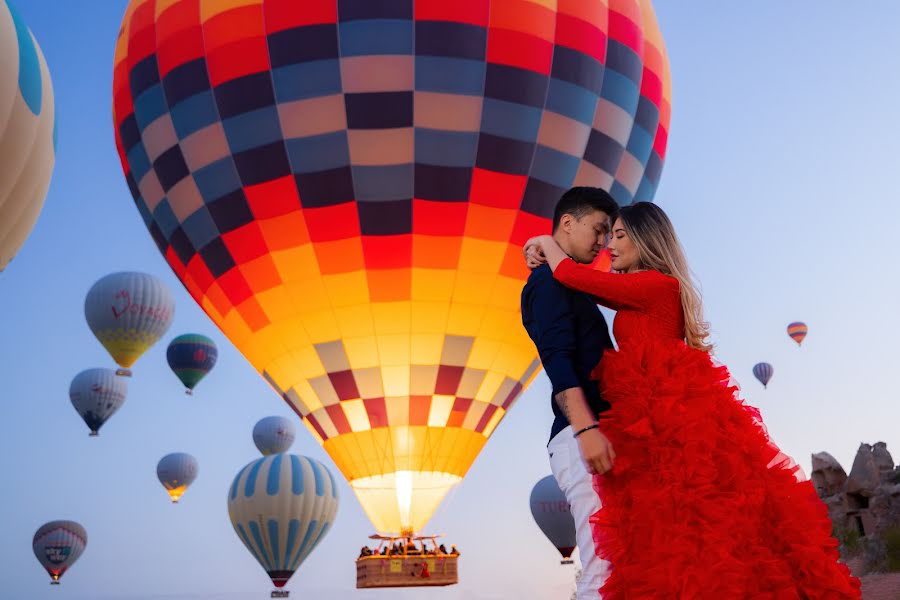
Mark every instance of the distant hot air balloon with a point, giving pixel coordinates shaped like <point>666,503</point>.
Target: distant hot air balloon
<point>128,312</point>
<point>191,356</point>
<point>763,372</point>
<point>27,132</point>
<point>57,545</point>
<point>344,187</point>
<point>281,507</point>
<point>550,510</point>
<point>176,471</point>
<point>273,435</point>
<point>97,394</point>
<point>798,330</point>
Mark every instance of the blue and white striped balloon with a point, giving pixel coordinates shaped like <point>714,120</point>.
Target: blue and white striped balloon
<point>281,506</point>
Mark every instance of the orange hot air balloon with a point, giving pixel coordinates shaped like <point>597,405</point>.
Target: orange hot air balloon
<point>797,330</point>
<point>344,187</point>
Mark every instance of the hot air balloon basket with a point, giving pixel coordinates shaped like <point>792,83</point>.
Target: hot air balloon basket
<point>280,594</point>
<point>406,571</point>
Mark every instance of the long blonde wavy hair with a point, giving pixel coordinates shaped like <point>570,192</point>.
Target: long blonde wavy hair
<point>660,250</point>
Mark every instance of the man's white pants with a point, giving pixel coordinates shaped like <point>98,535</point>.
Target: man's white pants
<point>577,484</point>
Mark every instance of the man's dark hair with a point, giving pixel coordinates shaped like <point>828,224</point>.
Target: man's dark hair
<point>582,200</point>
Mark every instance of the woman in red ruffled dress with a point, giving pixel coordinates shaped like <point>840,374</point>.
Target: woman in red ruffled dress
<point>699,502</point>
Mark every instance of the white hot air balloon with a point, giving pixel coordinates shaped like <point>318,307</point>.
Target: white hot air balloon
<point>97,394</point>
<point>273,435</point>
<point>281,506</point>
<point>57,545</point>
<point>128,312</point>
<point>551,512</point>
<point>177,471</point>
<point>27,132</point>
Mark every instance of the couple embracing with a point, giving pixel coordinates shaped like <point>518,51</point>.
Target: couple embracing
<point>676,489</point>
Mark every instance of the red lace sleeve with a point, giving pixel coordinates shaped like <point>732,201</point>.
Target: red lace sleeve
<point>615,290</point>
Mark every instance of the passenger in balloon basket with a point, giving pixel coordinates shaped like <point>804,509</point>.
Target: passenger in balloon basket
<point>694,498</point>
<point>571,335</point>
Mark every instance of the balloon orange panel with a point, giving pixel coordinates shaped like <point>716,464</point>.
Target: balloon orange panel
<point>344,186</point>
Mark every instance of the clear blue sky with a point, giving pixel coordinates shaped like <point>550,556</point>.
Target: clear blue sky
<point>779,179</point>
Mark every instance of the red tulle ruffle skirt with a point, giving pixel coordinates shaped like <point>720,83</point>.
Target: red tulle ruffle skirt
<point>700,503</point>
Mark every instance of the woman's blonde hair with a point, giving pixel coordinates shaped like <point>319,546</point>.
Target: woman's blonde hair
<point>659,249</point>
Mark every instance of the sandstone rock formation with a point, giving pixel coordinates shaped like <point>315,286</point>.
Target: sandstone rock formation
<point>864,506</point>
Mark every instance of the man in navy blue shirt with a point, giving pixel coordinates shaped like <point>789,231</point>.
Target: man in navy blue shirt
<point>571,334</point>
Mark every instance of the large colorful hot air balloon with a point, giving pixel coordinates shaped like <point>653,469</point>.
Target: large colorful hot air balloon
<point>27,132</point>
<point>344,187</point>
<point>273,435</point>
<point>551,512</point>
<point>57,545</point>
<point>763,372</point>
<point>128,312</point>
<point>797,330</point>
<point>281,507</point>
<point>176,471</point>
<point>97,394</point>
<point>191,356</point>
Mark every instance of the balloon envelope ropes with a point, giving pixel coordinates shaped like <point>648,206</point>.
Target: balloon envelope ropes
<point>281,506</point>
<point>551,512</point>
<point>191,356</point>
<point>57,545</point>
<point>176,472</point>
<point>27,132</point>
<point>344,188</point>
<point>97,394</point>
<point>128,312</point>
<point>763,372</point>
<point>273,435</point>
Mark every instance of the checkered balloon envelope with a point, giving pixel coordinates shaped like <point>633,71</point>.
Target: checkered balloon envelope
<point>344,187</point>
